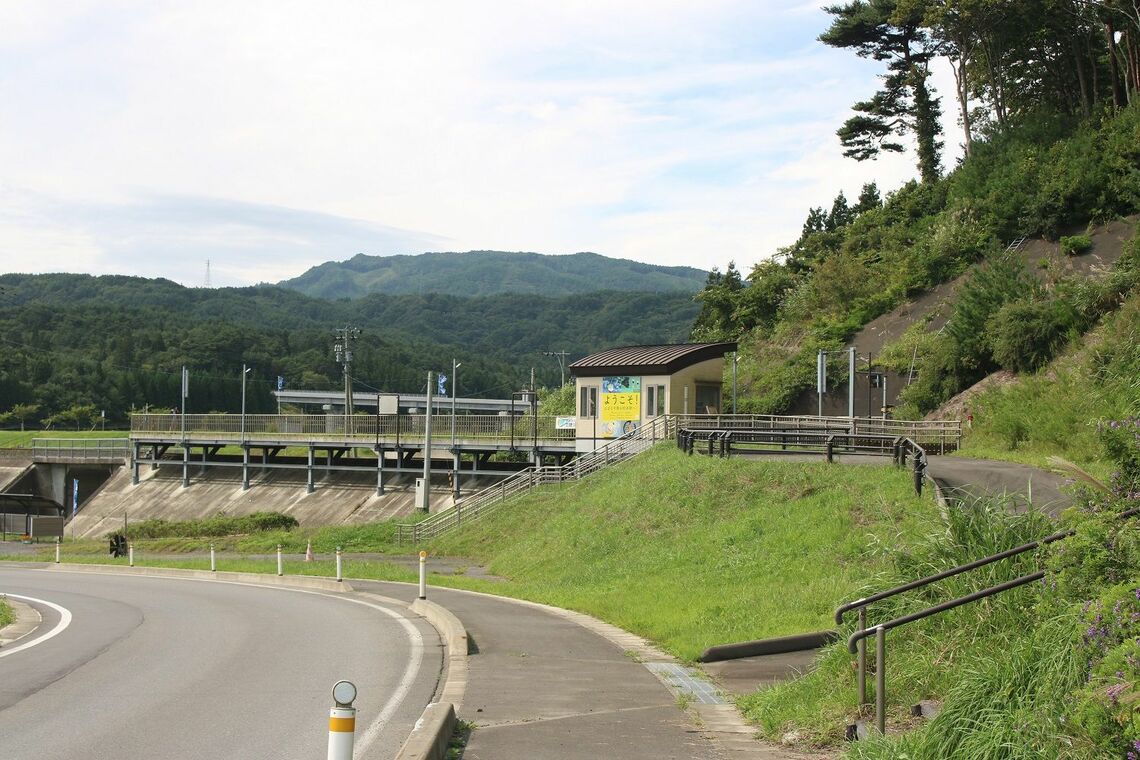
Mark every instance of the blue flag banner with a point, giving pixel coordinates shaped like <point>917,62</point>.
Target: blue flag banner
<point>442,384</point>
<point>74,496</point>
<point>280,383</point>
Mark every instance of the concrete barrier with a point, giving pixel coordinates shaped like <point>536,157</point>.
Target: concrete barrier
<point>454,636</point>
<point>287,581</point>
<point>431,734</point>
<point>433,731</point>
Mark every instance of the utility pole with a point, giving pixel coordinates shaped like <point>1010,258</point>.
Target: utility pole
<point>561,362</point>
<point>345,337</point>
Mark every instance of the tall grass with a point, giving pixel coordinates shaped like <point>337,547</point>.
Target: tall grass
<point>7,616</point>
<point>925,659</point>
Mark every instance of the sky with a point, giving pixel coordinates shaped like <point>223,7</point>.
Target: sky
<point>149,138</point>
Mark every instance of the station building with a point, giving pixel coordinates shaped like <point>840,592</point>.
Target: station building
<point>619,389</point>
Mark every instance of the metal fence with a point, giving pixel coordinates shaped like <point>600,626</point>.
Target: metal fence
<point>81,450</point>
<point>486,501</point>
<point>387,428</point>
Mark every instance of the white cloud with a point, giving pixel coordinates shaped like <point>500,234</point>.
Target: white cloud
<point>665,131</point>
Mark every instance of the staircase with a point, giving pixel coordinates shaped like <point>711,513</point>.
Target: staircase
<point>489,499</point>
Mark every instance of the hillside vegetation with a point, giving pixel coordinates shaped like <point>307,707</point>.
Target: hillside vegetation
<point>74,344</point>
<point>485,273</point>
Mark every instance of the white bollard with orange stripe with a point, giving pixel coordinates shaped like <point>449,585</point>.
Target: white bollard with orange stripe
<point>342,721</point>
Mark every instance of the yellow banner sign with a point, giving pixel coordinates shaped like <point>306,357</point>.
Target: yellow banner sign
<point>621,406</point>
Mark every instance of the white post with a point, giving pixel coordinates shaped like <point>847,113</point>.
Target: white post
<point>339,566</point>
<point>423,575</point>
<point>57,540</point>
<point>280,568</point>
<point>342,722</point>
<point>131,554</point>
<point>213,563</point>
<point>851,382</point>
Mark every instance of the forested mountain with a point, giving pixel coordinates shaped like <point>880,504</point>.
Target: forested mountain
<point>482,273</point>
<point>116,342</point>
<point>1047,102</point>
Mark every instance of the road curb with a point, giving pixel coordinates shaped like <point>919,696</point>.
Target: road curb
<point>723,723</point>
<point>432,733</point>
<point>28,619</point>
<point>258,579</point>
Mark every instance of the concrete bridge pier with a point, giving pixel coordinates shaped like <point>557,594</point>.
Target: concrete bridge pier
<point>245,467</point>
<point>309,487</point>
<point>379,471</point>
<point>185,465</point>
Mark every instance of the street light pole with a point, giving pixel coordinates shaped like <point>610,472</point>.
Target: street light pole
<point>735,359</point>
<point>454,388</point>
<point>425,506</point>
<point>561,362</point>
<point>244,372</point>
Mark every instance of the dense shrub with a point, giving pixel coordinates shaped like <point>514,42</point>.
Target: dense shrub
<point>1075,245</point>
<point>1023,335</point>
<point>220,525</point>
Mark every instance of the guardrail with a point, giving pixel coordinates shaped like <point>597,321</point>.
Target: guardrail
<point>722,443</point>
<point>941,435</point>
<point>364,428</point>
<point>81,450</point>
<point>486,501</point>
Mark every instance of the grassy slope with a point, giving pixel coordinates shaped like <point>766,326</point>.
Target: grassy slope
<point>692,552</point>
<point>1055,411</point>
<point>6,614</point>
<point>14,439</point>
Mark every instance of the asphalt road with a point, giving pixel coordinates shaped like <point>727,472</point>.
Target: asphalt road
<point>165,668</point>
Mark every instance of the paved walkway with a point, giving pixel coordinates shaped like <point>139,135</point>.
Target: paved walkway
<point>962,477</point>
<point>549,683</point>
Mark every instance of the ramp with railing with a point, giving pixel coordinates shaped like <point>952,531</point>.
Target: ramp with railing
<point>80,450</point>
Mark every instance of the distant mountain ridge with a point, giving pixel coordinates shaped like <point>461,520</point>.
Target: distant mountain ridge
<point>484,273</point>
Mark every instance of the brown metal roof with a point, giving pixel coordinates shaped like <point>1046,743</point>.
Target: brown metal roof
<point>649,360</point>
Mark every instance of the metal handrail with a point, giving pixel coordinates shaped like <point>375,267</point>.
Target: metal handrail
<point>910,586</point>
<point>856,642</point>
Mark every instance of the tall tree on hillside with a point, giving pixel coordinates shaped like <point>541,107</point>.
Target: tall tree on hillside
<point>877,29</point>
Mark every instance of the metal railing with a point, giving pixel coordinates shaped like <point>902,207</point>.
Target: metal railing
<point>940,435</point>
<point>857,644</point>
<point>828,444</point>
<point>81,450</point>
<point>364,428</point>
<point>486,501</point>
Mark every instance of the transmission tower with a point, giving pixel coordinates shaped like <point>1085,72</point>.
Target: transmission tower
<point>345,337</point>
<point>207,283</point>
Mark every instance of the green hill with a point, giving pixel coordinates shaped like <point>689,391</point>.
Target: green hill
<point>484,273</point>
<point>113,342</point>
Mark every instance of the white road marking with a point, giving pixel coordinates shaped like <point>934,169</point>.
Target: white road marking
<point>415,642</point>
<point>60,627</point>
